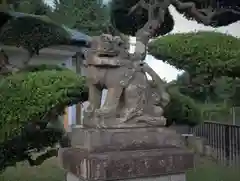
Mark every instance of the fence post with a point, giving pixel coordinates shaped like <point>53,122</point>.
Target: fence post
<point>227,144</point>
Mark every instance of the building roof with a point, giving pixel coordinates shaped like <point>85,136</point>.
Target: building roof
<point>77,36</point>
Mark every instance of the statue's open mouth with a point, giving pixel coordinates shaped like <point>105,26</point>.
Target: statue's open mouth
<point>108,54</point>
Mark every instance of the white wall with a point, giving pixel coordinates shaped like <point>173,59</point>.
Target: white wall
<point>46,56</point>
<point>72,109</point>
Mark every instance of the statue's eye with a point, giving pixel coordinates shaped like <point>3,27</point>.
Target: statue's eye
<point>120,43</point>
<point>103,38</point>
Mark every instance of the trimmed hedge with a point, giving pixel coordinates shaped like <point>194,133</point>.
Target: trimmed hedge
<point>182,110</point>
<point>27,98</point>
<point>32,32</point>
<point>42,67</point>
<point>209,53</point>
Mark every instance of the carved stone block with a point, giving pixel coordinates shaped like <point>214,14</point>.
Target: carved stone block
<point>126,164</point>
<point>131,153</point>
<point>100,140</point>
<point>175,177</point>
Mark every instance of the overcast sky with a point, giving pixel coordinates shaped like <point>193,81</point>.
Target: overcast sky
<point>182,25</point>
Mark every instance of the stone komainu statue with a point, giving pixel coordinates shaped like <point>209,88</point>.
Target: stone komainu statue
<point>131,99</point>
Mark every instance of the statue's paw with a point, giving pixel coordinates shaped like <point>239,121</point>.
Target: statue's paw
<point>102,111</point>
<point>98,126</point>
<point>89,109</point>
<point>121,120</point>
<point>151,121</point>
<point>105,112</point>
<point>161,121</point>
<point>101,125</point>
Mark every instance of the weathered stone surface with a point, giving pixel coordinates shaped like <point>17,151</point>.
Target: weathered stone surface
<point>177,177</point>
<point>126,153</point>
<point>132,100</point>
<point>126,164</point>
<point>102,140</point>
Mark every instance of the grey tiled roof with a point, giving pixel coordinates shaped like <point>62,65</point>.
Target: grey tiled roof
<point>77,36</point>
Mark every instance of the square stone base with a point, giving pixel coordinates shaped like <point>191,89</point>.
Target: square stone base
<point>177,177</point>
<point>120,154</point>
<point>126,164</point>
<point>122,139</point>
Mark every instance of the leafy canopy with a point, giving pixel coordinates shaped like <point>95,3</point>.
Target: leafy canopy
<point>38,7</point>
<point>210,53</point>
<point>88,16</point>
<point>32,32</point>
<point>129,24</point>
<point>28,96</point>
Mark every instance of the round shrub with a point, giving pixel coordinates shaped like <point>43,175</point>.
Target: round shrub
<point>209,53</point>
<point>32,32</point>
<point>28,96</point>
<point>182,110</point>
<point>27,99</point>
<point>42,67</point>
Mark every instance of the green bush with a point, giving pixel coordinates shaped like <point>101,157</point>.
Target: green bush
<point>42,67</point>
<point>27,98</point>
<point>182,110</point>
<point>217,112</point>
<point>210,53</point>
<point>32,32</point>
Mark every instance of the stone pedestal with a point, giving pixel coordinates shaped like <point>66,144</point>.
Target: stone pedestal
<point>131,153</point>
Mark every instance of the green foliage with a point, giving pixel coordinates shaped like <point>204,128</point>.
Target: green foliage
<point>86,16</point>
<point>217,112</point>
<point>129,24</point>
<point>27,97</point>
<point>182,109</point>
<point>193,87</point>
<point>225,11</point>
<point>206,53</point>
<point>32,32</point>
<point>42,67</point>
<point>38,7</point>
<point>221,90</point>
<point>235,98</point>
<point>215,103</point>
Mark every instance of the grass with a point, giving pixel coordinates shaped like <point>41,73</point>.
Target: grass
<point>205,170</point>
<point>49,171</point>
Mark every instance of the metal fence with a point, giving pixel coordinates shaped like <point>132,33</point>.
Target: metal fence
<point>223,138</point>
